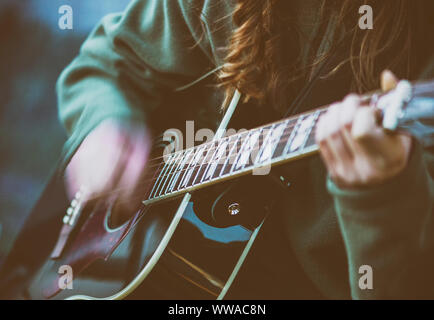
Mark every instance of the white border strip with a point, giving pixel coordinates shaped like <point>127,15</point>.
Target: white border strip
<point>239,263</point>
<point>152,262</point>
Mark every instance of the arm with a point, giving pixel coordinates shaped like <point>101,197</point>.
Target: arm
<point>124,70</point>
<point>390,228</point>
<point>127,64</point>
<point>383,194</point>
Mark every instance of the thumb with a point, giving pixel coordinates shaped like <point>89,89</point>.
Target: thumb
<point>388,80</point>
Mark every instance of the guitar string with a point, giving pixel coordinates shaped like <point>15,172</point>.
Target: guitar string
<point>213,143</point>
<point>215,146</point>
<point>240,138</point>
<point>118,190</point>
<point>293,121</point>
<point>223,159</point>
<point>152,175</point>
<point>205,152</point>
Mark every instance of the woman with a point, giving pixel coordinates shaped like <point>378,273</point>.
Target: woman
<point>374,209</point>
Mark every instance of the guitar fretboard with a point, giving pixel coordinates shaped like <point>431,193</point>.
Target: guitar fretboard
<point>253,150</point>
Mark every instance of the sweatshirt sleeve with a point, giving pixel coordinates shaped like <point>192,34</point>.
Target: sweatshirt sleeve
<point>388,229</point>
<point>128,63</point>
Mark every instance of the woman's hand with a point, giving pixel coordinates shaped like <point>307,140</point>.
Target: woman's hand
<point>356,150</point>
<point>111,161</point>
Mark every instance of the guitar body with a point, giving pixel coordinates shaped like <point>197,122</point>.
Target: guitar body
<point>190,246</point>
<point>183,248</point>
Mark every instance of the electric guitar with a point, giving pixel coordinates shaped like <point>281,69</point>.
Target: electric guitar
<point>187,242</point>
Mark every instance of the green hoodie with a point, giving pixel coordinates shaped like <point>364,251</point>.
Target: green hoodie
<point>131,66</point>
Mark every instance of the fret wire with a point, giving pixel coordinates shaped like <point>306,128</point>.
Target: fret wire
<point>239,137</point>
<point>315,119</point>
<point>215,160</point>
<point>174,173</point>
<point>200,167</point>
<point>179,175</point>
<point>190,168</point>
<point>186,170</point>
<point>280,137</point>
<point>251,149</point>
<point>164,175</point>
<point>175,159</point>
<point>285,124</point>
<point>277,139</point>
<point>225,156</point>
<point>304,131</point>
<point>264,143</point>
<point>292,135</point>
<point>177,172</point>
<point>300,138</point>
<point>154,178</point>
<point>160,176</point>
<point>211,161</point>
<point>239,155</point>
<point>196,167</point>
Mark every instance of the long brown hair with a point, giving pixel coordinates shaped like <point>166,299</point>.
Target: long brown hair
<point>254,64</point>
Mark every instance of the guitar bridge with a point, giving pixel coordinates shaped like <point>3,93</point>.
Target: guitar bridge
<point>69,223</point>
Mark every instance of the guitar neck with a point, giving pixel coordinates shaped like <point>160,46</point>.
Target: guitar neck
<point>409,107</point>
<point>253,151</point>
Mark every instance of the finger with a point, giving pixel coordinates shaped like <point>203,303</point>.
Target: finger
<point>347,114</point>
<point>320,130</point>
<point>388,80</point>
<point>381,150</point>
<point>336,142</point>
<point>369,137</point>
<point>348,109</point>
<point>331,120</point>
<point>365,124</point>
<point>325,152</point>
<point>328,158</point>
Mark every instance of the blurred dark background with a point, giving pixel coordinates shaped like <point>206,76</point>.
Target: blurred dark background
<point>33,52</point>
